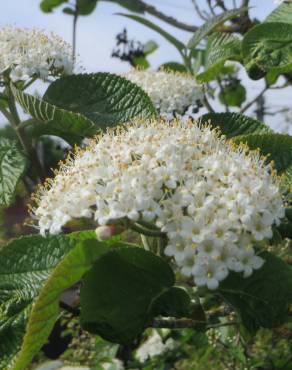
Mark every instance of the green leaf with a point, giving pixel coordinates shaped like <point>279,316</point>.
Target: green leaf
<point>149,47</point>
<point>47,6</point>
<point>25,265</point>
<point>272,77</point>
<point>118,292</point>
<point>7,132</point>
<point>45,310</point>
<point>268,47</point>
<point>70,126</point>
<point>103,98</point>
<point>34,272</point>
<point>282,13</point>
<point>85,7</point>
<point>211,24</point>
<point>277,148</point>
<point>233,95</point>
<point>79,106</point>
<point>140,62</point>
<point>285,229</point>
<point>263,299</point>
<point>175,42</point>
<point>234,124</point>
<point>13,164</point>
<point>219,49</point>
<point>174,302</point>
<point>211,74</point>
<point>288,213</point>
<point>174,67</point>
<point>68,10</point>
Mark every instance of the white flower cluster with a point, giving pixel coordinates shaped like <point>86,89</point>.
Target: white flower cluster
<point>58,365</point>
<point>114,364</point>
<point>211,199</point>
<point>154,346</point>
<point>27,53</point>
<point>170,92</point>
<point>74,368</point>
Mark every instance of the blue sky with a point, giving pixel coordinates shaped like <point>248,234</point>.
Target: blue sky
<point>96,34</point>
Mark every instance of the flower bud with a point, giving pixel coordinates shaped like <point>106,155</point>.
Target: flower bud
<point>105,232</point>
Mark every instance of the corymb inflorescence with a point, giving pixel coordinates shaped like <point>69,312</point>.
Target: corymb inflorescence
<point>31,53</point>
<point>212,200</point>
<point>170,92</point>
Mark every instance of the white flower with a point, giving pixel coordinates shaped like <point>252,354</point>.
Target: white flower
<point>27,53</point>
<point>153,346</point>
<point>74,368</point>
<point>247,261</point>
<point>209,272</point>
<point>114,363</point>
<point>170,92</point>
<point>212,200</point>
<point>51,365</point>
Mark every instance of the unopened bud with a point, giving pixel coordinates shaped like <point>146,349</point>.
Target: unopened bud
<point>105,232</point>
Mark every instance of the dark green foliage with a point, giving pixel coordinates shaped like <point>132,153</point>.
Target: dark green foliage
<point>233,94</point>
<point>268,47</point>
<point>210,25</point>
<point>119,290</point>
<point>82,105</point>
<point>103,98</point>
<point>234,124</point>
<point>264,298</point>
<point>277,148</point>
<point>13,164</point>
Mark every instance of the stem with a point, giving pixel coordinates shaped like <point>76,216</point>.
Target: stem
<point>221,324</point>
<point>176,323</point>
<point>150,9</point>
<point>207,104</point>
<point>148,225</point>
<point>248,105</point>
<point>186,324</point>
<point>187,62</point>
<point>145,243</point>
<point>222,92</point>
<point>142,230</point>
<point>29,83</point>
<point>211,7</point>
<point>221,4</point>
<point>199,12</point>
<point>160,247</point>
<point>74,33</point>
